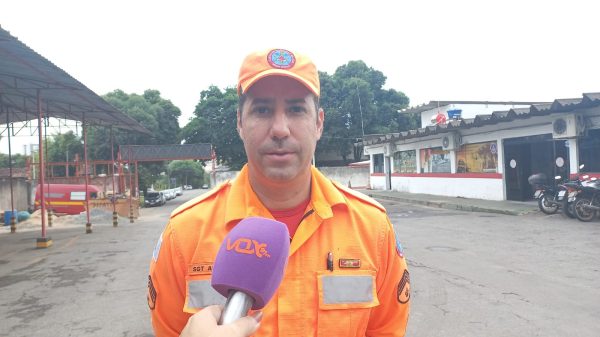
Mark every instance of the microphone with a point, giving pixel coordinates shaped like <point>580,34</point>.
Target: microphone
<point>249,265</point>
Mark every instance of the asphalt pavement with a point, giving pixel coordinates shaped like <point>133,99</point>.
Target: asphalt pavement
<point>95,284</point>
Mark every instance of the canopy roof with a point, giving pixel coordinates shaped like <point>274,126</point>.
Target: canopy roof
<point>24,73</point>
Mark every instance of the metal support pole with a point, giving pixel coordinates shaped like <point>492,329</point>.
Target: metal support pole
<point>114,195</point>
<point>13,222</point>
<point>137,182</point>
<point>130,187</point>
<point>88,225</point>
<point>48,169</point>
<point>43,242</point>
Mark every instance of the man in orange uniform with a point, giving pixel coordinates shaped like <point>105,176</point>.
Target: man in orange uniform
<point>346,274</point>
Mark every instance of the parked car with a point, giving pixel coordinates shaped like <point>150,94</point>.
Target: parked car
<point>187,187</point>
<point>205,186</point>
<point>154,198</point>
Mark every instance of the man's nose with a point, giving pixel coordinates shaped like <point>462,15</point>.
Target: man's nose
<point>280,127</point>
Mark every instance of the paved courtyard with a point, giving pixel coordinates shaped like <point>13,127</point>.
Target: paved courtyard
<point>472,274</point>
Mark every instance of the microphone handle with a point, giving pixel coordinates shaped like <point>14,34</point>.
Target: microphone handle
<point>237,306</point>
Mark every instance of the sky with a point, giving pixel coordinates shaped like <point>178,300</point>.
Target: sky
<point>494,50</point>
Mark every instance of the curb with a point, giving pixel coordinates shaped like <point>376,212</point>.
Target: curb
<point>451,206</point>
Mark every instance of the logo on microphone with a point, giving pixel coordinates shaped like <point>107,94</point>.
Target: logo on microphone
<point>248,246</point>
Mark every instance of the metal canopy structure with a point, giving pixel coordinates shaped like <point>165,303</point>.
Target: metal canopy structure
<point>31,87</point>
<point>26,76</point>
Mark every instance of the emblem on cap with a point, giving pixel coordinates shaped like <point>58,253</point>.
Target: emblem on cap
<point>281,59</point>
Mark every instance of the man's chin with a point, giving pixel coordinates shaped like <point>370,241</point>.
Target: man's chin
<point>279,175</point>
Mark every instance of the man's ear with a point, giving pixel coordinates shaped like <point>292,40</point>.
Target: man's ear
<point>320,122</point>
<point>239,123</point>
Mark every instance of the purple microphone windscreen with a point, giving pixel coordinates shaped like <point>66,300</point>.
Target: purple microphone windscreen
<point>252,259</point>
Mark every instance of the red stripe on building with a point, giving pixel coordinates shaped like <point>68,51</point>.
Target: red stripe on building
<point>449,175</point>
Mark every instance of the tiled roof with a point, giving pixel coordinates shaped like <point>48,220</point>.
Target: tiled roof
<point>589,100</point>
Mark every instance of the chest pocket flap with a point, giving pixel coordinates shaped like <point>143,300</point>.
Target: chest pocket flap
<point>347,289</point>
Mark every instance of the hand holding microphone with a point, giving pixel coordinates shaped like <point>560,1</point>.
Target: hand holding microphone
<point>250,265</point>
<point>204,324</point>
<point>248,270</point>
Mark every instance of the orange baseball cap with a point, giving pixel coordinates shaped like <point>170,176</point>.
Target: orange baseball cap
<point>280,62</point>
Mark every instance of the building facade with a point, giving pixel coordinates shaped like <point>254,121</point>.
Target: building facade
<point>487,150</point>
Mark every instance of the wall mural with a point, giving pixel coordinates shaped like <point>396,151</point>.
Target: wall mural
<point>477,158</point>
<point>405,161</point>
<point>435,160</point>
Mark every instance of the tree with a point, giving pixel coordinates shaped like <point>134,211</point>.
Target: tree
<point>18,160</point>
<point>215,123</point>
<point>356,104</point>
<point>63,147</point>
<point>354,101</point>
<point>156,114</point>
<point>187,172</point>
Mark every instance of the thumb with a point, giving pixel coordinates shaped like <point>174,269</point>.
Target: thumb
<point>247,325</point>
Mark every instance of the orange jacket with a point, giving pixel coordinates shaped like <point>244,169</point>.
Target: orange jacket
<point>366,294</point>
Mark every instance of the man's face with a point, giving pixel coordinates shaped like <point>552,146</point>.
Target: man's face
<point>280,127</point>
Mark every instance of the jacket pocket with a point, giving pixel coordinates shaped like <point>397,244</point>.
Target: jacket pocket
<point>200,294</point>
<point>345,302</point>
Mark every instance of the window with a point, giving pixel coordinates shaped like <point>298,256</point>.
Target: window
<point>378,163</point>
<point>77,195</point>
<point>405,161</point>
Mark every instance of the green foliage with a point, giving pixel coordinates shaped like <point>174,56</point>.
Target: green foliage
<point>63,147</point>
<point>187,172</point>
<point>18,160</point>
<point>353,99</point>
<point>156,114</point>
<point>355,103</point>
<point>215,123</point>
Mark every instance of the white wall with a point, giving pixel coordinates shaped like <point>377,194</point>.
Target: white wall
<point>378,182</point>
<point>479,188</point>
<point>21,191</point>
<point>356,177</point>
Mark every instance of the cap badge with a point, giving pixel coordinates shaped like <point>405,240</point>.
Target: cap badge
<point>281,58</point>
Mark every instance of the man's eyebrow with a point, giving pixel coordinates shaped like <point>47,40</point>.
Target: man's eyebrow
<point>295,101</point>
<point>262,100</point>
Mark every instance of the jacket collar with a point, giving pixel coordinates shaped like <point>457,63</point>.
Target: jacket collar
<point>242,202</point>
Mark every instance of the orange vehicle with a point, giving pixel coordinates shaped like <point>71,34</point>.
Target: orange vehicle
<point>66,198</point>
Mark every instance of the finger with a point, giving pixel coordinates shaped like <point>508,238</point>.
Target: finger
<point>214,311</point>
<point>246,326</point>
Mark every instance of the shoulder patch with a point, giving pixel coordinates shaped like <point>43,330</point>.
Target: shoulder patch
<point>358,195</point>
<point>193,202</point>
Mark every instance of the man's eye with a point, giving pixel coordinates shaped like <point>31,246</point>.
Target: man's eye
<point>261,109</point>
<point>297,109</point>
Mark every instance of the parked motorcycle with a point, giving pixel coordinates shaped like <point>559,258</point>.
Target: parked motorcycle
<point>573,187</point>
<point>549,196</point>
<point>568,206</point>
<point>587,200</point>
